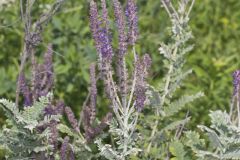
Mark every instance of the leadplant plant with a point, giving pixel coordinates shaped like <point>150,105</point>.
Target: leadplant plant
<point>127,93</point>
<point>164,130</point>
<point>36,129</point>
<point>22,135</point>
<point>223,132</point>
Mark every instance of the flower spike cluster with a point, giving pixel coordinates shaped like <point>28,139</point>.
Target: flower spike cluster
<point>122,48</point>
<point>121,26</point>
<point>236,82</point>
<point>94,24</point>
<point>72,119</point>
<point>105,15</point>
<point>66,150</point>
<point>93,91</point>
<point>92,131</point>
<point>25,90</point>
<point>42,78</point>
<point>235,103</point>
<point>125,101</point>
<point>89,111</point>
<point>142,67</point>
<point>100,31</point>
<point>131,14</point>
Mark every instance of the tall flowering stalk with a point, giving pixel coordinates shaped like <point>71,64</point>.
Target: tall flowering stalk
<point>93,91</point>
<point>33,37</point>
<point>174,52</point>
<point>92,130</point>
<point>66,150</point>
<point>42,79</point>
<point>132,19</point>
<point>126,101</point>
<point>122,49</point>
<point>33,131</point>
<point>236,98</point>
<point>42,83</point>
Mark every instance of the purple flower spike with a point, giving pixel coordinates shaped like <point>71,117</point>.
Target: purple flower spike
<point>24,89</point>
<point>120,23</point>
<point>48,60</point>
<point>59,107</point>
<point>236,82</point>
<point>43,75</point>
<point>122,48</point>
<point>140,97</point>
<point>140,85</point>
<point>100,31</point>
<point>94,24</point>
<point>106,47</point>
<point>49,110</point>
<point>132,18</point>
<point>54,134</point>
<point>72,119</point>
<point>64,148</point>
<point>71,154</point>
<point>141,67</point>
<point>93,98</point>
<point>48,67</point>
<point>147,61</point>
<point>105,14</point>
<point>54,109</point>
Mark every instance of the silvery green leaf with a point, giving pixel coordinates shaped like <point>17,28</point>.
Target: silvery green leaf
<point>177,105</point>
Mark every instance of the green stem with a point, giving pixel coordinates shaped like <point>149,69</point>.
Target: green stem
<point>165,93</point>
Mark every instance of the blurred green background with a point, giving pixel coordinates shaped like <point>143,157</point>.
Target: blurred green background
<point>215,25</point>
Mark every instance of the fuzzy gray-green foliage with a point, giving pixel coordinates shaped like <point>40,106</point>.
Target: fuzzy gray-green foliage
<point>20,136</point>
<point>223,136</point>
<point>118,152</point>
<point>126,95</point>
<point>164,130</point>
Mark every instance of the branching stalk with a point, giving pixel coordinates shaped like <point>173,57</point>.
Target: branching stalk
<point>165,93</point>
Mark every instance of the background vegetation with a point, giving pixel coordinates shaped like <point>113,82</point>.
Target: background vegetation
<point>215,24</point>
